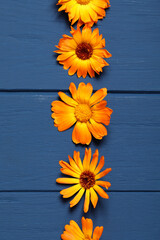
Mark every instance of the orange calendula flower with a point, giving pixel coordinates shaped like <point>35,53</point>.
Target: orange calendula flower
<point>73,231</point>
<point>84,11</point>
<point>85,177</point>
<point>88,112</point>
<point>83,52</point>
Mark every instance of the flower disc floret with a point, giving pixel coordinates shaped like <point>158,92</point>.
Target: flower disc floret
<point>83,112</point>
<point>84,51</point>
<point>87,179</point>
<point>83,2</point>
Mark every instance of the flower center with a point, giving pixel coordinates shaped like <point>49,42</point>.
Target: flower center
<point>87,238</point>
<point>84,51</point>
<point>83,112</point>
<point>83,2</point>
<point>87,179</point>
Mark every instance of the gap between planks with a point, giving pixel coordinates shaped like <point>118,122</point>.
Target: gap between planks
<point>50,191</point>
<point>64,90</point>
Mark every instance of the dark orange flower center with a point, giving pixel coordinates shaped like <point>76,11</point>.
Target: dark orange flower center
<point>87,238</point>
<point>83,112</point>
<point>83,2</point>
<point>87,179</point>
<point>84,51</point>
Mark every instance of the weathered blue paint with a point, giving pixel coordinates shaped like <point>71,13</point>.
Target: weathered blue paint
<point>30,146</point>
<point>30,29</point>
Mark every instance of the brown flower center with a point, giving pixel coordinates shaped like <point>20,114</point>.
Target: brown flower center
<point>83,2</point>
<point>84,51</point>
<point>87,179</point>
<point>83,112</point>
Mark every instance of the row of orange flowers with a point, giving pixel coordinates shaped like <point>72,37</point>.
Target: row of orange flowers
<point>83,53</point>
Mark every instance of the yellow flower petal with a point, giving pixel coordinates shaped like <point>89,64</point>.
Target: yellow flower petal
<point>101,192</point>
<point>77,198</point>
<point>81,134</point>
<point>94,197</point>
<point>87,200</point>
<point>94,161</point>
<point>67,180</point>
<point>100,165</point>
<point>104,173</point>
<point>67,99</point>
<point>97,233</point>
<point>69,192</point>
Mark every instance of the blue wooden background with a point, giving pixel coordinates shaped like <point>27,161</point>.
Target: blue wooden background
<point>30,146</point>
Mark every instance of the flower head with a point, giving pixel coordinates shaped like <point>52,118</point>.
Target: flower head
<point>73,231</point>
<point>83,52</point>
<point>88,112</point>
<point>85,177</point>
<point>84,11</point>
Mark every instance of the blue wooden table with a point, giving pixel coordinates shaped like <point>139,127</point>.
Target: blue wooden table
<point>30,146</point>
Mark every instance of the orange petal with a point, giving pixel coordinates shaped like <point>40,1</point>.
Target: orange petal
<point>69,192</point>
<point>77,159</point>
<point>98,96</point>
<point>86,32</point>
<point>89,227</point>
<point>84,92</point>
<point>70,101</point>
<point>67,180</point>
<point>77,35</point>
<point>61,107</point>
<point>100,105</point>
<point>73,164</point>
<point>100,165</point>
<point>64,164</point>
<point>94,161</point>
<point>101,192</point>
<point>97,233</point>
<point>65,55</point>
<point>75,225</point>
<point>87,200</point>
<point>103,184</point>
<point>73,90</point>
<point>104,173</point>
<point>66,235</point>
<point>77,198</point>
<point>69,172</point>
<point>71,230</point>
<point>97,129</point>
<point>81,134</point>
<point>64,121</point>
<point>102,53</point>
<point>83,220</point>
<point>94,197</point>
<point>101,116</point>
<point>87,159</point>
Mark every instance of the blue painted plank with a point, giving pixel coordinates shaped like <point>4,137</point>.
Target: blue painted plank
<point>42,216</point>
<point>30,29</point>
<point>30,146</point>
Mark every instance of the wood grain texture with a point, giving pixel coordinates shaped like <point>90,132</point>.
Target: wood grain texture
<point>42,216</point>
<point>30,29</point>
<point>30,146</point>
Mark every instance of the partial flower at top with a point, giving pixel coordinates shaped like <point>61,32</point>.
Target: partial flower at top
<point>73,231</point>
<point>86,178</point>
<point>88,112</point>
<point>84,11</point>
<point>83,52</point>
